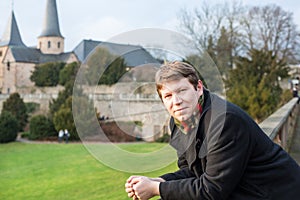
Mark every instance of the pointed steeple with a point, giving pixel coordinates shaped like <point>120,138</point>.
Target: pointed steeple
<point>11,36</point>
<point>51,24</point>
<point>51,41</point>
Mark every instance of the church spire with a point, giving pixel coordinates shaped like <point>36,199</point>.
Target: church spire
<point>51,41</point>
<point>51,24</point>
<point>11,36</point>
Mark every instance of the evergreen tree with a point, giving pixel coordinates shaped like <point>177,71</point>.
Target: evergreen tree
<point>61,107</point>
<point>68,73</point>
<point>254,84</point>
<point>67,78</point>
<point>224,53</point>
<point>63,119</point>
<point>211,49</point>
<point>63,95</point>
<point>104,67</point>
<point>16,106</point>
<point>8,127</point>
<point>113,72</point>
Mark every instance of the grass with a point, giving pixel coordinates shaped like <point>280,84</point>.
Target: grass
<point>63,172</point>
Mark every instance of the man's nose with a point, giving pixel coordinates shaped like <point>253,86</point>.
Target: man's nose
<point>177,100</point>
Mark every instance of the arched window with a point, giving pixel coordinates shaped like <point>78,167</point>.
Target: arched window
<point>58,45</point>
<point>8,65</point>
<point>49,44</point>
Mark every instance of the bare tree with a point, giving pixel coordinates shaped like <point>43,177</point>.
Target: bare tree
<point>204,25</point>
<point>271,29</point>
<point>233,14</point>
<point>268,28</point>
<point>201,24</point>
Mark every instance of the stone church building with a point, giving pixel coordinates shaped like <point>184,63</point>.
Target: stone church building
<point>17,60</point>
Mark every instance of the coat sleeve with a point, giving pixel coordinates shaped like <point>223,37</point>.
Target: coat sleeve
<point>228,150</point>
<point>183,172</point>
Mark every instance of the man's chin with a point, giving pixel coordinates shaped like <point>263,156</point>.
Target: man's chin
<point>182,118</point>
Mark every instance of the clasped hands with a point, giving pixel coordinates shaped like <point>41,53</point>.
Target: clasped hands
<point>142,187</point>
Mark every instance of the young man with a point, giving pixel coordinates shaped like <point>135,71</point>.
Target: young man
<point>222,152</point>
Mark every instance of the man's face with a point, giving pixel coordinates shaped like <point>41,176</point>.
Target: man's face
<point>180,98</point>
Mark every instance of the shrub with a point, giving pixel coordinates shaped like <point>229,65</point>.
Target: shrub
<point>164,139</point>
<point>25,134</point>
<point>41,127</point>
<point>118,131</point>
<point>32,107</point>
<point>46,74</point>
<point>8,127</point>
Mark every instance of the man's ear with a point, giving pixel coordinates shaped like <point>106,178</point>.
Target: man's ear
<point>200,85</point>
<point>200,88</point>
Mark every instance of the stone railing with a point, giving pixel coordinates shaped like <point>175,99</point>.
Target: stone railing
<point>280,126</point>
<point>30,97</point>
<point>124,97</point>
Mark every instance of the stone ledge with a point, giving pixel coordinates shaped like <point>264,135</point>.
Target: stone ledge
<point>272,125</point>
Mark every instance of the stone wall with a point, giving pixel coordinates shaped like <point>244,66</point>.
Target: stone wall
<point>123,102</point>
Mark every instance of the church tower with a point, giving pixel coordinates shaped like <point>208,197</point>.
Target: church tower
<point>11,39</point>
<point>12,36</point>
<point>51,41</point>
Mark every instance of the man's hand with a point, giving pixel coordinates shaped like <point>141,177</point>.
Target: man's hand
<point>129,188</point>
<point>141,187</point>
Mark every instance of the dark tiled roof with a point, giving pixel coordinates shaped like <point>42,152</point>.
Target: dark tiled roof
<point>25,54</point>
<point>51,24</point>
<point>32,55</point>
<point>12,35</point>
<point>84,48</point>
<point>133,55</point>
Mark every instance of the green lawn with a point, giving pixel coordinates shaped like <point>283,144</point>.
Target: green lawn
<point>63,171</point>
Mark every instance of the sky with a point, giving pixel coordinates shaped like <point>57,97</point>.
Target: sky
<point>104,19</point>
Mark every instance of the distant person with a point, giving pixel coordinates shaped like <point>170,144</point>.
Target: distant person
<point>295,81</point>
<point>222,153</point>
<point>296,92</point>
<point>60,135</point>
<point>67,135</point>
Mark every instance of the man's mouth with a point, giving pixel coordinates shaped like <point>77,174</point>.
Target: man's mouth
<point>179,110</point>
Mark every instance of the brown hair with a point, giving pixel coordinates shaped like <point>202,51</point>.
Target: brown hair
<point>175,70</point>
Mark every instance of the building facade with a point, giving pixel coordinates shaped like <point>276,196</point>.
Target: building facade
<point>17,60</point>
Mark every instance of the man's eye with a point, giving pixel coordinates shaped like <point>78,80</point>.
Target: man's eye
<point>167,96</point>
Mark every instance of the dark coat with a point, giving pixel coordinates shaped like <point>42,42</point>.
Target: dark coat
<point>229,157</point>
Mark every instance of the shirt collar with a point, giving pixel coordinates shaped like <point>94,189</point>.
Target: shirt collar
<point>193,121</point>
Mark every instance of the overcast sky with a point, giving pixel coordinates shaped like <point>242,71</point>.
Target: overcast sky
<point>103,19</point>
